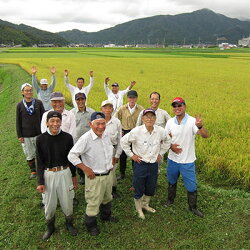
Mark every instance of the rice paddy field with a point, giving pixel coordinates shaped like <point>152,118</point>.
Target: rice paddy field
<point>214,83</point>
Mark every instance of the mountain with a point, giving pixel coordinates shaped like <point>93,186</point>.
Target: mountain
<point>202,25</point>
<point>26,35</point>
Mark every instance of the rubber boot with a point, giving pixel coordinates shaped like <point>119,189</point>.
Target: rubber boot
<point>69,225</point>
<point>192,203</point>
<point>91,225</point>
<point>50,228</point>
<point>82,176</point>
<point>114,192</point>
<point>32,166</point>
<point>145,204</point>
<point>138,206</point>
<point>121,176</point>
<point>171,194</point>
<point>106,214</point>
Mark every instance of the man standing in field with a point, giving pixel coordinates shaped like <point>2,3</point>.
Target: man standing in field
<point>114,130</point>
<point>56,175</point>
<point>162,116</point>
<point>44,92</point>
<point>82,116</point>
<point>181,158</point>
<point>28,119</point>
<point>149,143</point>
<point>96,150</point>
<point>80,82</point>
<point>114,94</point>
<point>128,115</point>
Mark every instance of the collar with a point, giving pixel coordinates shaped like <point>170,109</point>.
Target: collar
<point>50,132</point>
<point>85,110</point>
<point>145,129</point>
<point>183,121</point>
<point>94,136</point>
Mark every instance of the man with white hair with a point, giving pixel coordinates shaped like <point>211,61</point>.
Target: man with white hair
<point>28,119</point>
<point>44,92</point>
<point>96,151</point>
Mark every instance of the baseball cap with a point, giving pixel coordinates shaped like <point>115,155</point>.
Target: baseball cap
<point>149,110</point>
<point>80,95</point>
<point>54,114</point>
<point>178,100</point>
<point>57,96</point>
<point>97,115</point>
<point>132,93</point>
<point>44,81</point>
<point>115,84</point>
<point>24,85</point>
<point>106,102</point>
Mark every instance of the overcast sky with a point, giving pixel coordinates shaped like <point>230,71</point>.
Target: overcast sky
<point>95,15</point>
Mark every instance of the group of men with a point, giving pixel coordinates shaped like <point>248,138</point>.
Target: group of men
<point>56,142</point>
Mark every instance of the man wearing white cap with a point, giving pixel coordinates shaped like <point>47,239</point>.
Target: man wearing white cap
<point>44,92</point>
<point>114,130</point>
<point>80,82</point>
<point>114,94</point>
<point>28,119</point>
<point>149,143</point>
<point>96,151</point>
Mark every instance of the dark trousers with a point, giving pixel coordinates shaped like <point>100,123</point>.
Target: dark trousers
<point>123,156</point>
<point>145,178</point>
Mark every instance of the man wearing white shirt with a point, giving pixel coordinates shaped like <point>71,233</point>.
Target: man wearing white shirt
<point>114,94</point>
<point>149,143</point>
<point>80,82</point>
<point>162,116</point>
<point>96,151</point>
<point>181,158</point>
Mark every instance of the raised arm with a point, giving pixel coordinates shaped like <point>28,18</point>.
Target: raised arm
<point>66,81</point>
<point>34,80</point>
<point>91,83</point>
<point>132,84</point>
<point>106,88</point>
<point>53,82</point>
<point>201,130</point>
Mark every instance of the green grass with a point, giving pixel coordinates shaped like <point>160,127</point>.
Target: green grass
<point>225,225</point>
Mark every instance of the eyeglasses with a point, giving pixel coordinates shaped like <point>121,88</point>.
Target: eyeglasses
<point>179,105</point>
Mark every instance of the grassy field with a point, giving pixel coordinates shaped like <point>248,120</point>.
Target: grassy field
<point>214,83</point>
<point>225,225</point>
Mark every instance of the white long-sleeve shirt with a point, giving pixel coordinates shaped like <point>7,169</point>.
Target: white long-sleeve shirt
<point>96,153</point>
<point>74,90</point>
<point>162,117</point>
<point>68,122</point>
<point>146,145</point>
<point>114,130</point>
<point>116,99</point>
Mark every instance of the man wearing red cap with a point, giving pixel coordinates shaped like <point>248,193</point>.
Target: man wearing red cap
<point>181,158</point>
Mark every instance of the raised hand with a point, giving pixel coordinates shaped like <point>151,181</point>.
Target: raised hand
<point>198,121</point>
<point>53,70</point>
<point>66,72</point>
<point>91,73</point>
<point>33,70</point>
<point>132,84</point>
<point>107,79</point>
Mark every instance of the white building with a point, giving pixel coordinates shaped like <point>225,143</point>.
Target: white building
<point>245,42</point>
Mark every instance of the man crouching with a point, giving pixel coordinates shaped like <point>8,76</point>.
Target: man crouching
<point>96,151</point>
<point>56,176</point>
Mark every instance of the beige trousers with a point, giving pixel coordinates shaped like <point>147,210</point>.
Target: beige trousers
<point>29,148</point>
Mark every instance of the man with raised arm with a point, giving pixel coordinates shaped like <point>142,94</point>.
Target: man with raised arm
<point>43,91</point>
<point>80,82</point>
<point>181,158</point>
<point>114,94</point>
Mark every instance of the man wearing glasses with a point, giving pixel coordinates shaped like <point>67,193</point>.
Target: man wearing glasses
<point>181,158</point>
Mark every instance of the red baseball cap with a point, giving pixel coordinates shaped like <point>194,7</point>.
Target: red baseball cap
<point>178,100</point>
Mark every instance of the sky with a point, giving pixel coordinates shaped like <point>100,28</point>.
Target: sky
<point>95,15</point>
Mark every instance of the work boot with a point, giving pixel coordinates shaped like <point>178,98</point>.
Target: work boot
<point>114,192</point>
<point>121,176</point>
<point>145,204</point>
<point>192,204</point>
<point>82,176</point>
<point>32,166</point>
<point>138,206</point>
<point>50,228</point>
<point>69,225</point>
<point>171,194</point>
<point>106,214</point>
<point>75,202</point>
<point>91,225</point>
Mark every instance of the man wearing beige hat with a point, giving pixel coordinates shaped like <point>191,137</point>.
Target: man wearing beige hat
<point>44,92</point>
<point>96,151</point>
<point>29,114</point>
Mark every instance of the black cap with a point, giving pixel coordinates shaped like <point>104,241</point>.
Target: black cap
<point>97,115</point>
<point>132,93</point>
<point>149,110</point>
<point>80,95</point>
<point>115,84</point>
<point>54,114</point>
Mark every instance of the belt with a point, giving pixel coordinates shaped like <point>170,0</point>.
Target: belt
<point>56,169</point>
<point>102,174</point>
